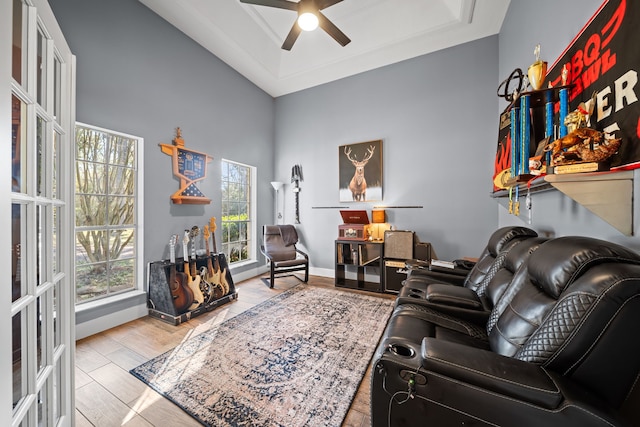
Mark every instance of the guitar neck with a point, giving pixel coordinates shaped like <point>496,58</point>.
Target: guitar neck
<point>185,253</point>
<point>193,256</point>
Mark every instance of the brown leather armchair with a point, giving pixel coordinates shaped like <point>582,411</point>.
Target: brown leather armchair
<point>279,247</point>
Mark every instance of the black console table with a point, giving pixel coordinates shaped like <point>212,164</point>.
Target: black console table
<point>359,265</point>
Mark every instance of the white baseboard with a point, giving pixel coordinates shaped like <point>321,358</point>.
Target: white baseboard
<point>111,320</point>
<point>117,318</point>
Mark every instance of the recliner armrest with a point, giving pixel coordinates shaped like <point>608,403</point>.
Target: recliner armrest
<point>507,376</point>
<point>455,296</point>
<point>428,276</point>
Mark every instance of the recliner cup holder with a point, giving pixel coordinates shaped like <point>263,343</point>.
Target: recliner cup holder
<point>418,291</point>
<point>401,350</point>
<point>415,296</point>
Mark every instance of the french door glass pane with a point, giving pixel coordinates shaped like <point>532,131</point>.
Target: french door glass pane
<point>57,87</point>
<point>18,145</point>
<point>56,316</point>
<point>40,335</point>
<point>41,71</point>
<point>17,240</point>
<point>56,164</point>
<point>19,377</point>
<point>57,401</point>
<point>40,158</point>
<point>40,245</point>
<point>54,240</point>
<point>17,54</point>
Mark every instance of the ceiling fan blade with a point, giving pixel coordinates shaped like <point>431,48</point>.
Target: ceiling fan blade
<point>332,30</point>
<point>326,3</point>
<point>280,4</point>
<point>291,37</point>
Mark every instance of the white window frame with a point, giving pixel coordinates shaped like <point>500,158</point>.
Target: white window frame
<point>138,226</point>
<point>253,212</point>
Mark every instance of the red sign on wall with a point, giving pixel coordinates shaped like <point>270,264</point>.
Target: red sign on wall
<point>603,62</point>
<point>604,59</point>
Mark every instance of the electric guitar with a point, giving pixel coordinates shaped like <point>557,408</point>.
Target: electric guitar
<point>180,292</point>
<point>212,276</point>
<point>193,278</point>
<point>223,274</point>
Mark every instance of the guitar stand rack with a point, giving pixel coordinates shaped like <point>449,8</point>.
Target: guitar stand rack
<point>160,299</point>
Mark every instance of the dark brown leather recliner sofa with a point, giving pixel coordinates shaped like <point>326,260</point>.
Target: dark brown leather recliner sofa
<point>560,348</point>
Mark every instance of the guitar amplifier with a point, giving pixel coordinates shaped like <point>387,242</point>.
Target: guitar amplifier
<point>395,271</point>
<point>422,251</point>
<point>398,244</point>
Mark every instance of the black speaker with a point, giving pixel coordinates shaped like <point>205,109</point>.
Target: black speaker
<point>398,244</point>
<point>395,271</point>
<point>422,251</point>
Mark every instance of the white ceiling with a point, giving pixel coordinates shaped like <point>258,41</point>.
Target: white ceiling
<point>382,32</point>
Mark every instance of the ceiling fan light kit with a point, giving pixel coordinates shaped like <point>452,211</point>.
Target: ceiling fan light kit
<point>308,21</point>
<point>309,18</point>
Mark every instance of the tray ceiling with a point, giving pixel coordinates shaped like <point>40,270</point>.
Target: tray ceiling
<point>248,38</point>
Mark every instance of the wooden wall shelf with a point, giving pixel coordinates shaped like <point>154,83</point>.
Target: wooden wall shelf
<point>609,195</point>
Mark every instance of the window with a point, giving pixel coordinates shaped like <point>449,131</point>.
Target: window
<point>238,227</point>
<point>106,211</point>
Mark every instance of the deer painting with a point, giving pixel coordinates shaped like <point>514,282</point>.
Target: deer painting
<point>358,184</point>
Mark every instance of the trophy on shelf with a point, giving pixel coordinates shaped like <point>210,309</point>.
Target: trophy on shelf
<point>537,71</point>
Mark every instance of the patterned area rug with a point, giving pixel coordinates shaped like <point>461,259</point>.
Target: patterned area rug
<point>294,360</point>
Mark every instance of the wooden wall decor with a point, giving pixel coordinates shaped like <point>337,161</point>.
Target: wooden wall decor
<point>190,166</point>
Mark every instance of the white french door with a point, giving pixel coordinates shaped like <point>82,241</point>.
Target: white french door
<point>39,164</point>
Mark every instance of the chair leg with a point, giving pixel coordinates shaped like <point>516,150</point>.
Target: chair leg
<point>306,274</point>
<point>272,276</point>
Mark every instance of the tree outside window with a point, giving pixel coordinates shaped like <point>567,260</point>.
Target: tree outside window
<point>236,211</point>
<point>105,212</point>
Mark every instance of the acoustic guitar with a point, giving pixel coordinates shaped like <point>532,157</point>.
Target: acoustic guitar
<point>223,274</point>
<point>213,277</point>
<point>180,292</point>
<point>193,279</point>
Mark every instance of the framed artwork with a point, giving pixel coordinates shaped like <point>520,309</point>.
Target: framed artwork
<point>360,171</point>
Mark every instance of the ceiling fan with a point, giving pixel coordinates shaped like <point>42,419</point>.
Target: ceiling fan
<point>307,10</point>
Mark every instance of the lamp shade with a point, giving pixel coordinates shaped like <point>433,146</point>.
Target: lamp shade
<point>378,216</point>
<point>277,185</point>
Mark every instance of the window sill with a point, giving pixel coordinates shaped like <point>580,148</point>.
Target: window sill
<point>92,305</point>
<point>242,264</point>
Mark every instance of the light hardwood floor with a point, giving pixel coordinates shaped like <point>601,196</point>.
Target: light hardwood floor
<point>108,395</point>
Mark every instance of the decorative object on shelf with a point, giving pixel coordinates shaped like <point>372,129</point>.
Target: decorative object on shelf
<point>597,68</point>
<point>190,167</point>
<point>537,71</point>
<point>296,177</point>
<point>583,145</point>
<point>599,61</point>
<point>277,185</point>
<point>378,224</point>
<point>362,184</point>
<point>355,225</point>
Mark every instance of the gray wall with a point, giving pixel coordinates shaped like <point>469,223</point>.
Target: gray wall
<point>552,211</point>
<point>139,75</point>
<point>436,117</point>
